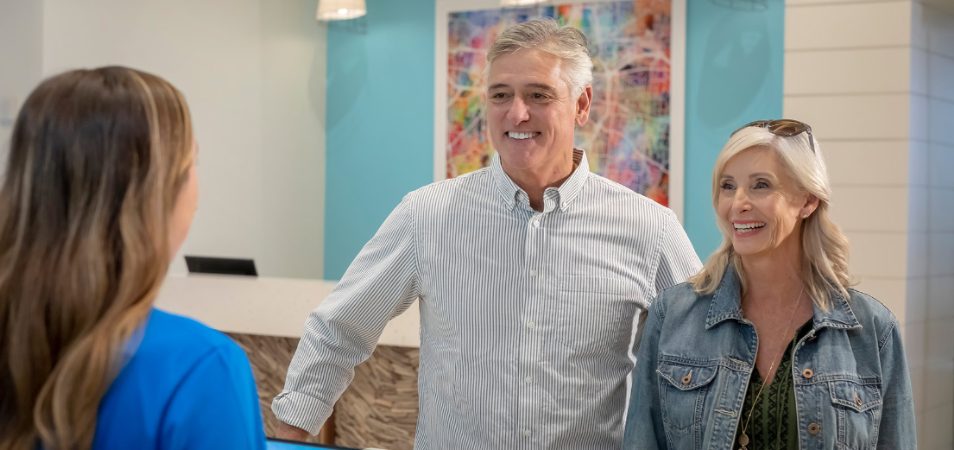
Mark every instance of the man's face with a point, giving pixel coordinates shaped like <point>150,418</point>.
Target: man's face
<point>531,114</point>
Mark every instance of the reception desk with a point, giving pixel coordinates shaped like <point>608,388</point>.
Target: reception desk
<point>266,317</point>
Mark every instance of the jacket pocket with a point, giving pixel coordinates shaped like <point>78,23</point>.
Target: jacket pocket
<point>857,408</point>
<point>684,385</point>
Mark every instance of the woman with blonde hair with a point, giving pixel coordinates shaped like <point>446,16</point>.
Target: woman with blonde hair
<point>99,193</point>
<point>768,347</point>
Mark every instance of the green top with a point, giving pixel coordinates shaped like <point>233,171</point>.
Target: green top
<point>774,421</point>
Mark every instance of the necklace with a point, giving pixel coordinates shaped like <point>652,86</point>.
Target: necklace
<point>743,437</point>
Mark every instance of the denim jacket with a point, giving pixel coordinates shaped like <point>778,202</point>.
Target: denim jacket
<point>697,352</point>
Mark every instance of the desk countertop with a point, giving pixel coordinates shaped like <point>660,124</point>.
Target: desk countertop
<point>264,305</point>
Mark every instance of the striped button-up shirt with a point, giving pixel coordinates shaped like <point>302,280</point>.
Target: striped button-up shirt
<point>527,317</point>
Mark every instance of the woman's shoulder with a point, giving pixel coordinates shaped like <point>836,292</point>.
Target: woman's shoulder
<point>180,338</point>
<point>869,311</point>
<point>677,298</point>
<point>863,303</point>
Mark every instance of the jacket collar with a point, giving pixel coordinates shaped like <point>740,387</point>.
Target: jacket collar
<point>726,304</point>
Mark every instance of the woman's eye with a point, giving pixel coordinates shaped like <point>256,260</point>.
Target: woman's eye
<point>726,186</point>
<point>760,185</point>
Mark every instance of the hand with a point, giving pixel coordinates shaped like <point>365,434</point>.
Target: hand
<point>290,432</point>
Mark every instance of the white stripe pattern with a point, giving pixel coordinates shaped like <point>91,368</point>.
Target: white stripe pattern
<point>527,317</point>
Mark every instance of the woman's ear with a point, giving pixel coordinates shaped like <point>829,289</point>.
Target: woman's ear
<point>811,204</point>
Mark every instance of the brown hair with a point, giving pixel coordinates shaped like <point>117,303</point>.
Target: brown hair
<point>97,159</point>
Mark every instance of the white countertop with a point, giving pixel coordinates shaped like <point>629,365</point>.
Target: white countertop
<point>264,305</point>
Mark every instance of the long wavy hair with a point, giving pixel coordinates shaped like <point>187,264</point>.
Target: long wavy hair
<point>824,265</point>
<point>97,159</point>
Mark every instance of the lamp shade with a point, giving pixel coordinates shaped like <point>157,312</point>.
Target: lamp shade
<point>519,2</point>
<point>340,9</point>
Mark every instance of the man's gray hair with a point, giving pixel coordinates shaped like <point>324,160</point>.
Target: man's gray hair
<point>564,42</point>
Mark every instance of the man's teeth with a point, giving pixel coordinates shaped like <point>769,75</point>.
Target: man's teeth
<point>515,135</point>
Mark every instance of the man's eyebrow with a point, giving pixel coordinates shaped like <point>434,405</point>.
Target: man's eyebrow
<point>541,86</point>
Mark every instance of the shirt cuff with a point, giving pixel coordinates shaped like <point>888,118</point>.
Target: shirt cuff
<point>302,411</point>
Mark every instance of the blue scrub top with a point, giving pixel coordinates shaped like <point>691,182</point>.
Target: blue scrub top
<point>184,386</point>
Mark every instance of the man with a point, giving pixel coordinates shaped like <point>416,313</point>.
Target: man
<point>532,274</point>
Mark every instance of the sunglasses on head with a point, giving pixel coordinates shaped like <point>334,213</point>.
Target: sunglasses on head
<point>783,128</point>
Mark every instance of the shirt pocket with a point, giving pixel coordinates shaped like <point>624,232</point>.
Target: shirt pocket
<point>683,388</point>
<point>594,315</point>
<point>857,409</point>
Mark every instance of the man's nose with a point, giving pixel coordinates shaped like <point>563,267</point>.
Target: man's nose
<point>518,112</point>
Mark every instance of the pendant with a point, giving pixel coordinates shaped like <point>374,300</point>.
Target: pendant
<point>743,441</point>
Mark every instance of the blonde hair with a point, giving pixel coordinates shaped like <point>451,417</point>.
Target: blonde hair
<point>824,266</point>
<point>564,42</point>
<point>97,159</point>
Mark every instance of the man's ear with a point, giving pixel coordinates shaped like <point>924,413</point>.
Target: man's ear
<point>583,105</point>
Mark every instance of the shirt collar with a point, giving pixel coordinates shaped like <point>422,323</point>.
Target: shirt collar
<point>560,197</point>
<point>727,304</point>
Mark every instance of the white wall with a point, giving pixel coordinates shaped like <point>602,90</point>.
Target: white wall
<point>21,49</point>
<point>253,72</point>
<point>875,78</point>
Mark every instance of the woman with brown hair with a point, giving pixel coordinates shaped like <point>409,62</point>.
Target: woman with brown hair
<point>99,193</point>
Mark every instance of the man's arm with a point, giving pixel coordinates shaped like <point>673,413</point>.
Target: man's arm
<point>342,332</point>
<point>677,259</point>
<point>289,432</point>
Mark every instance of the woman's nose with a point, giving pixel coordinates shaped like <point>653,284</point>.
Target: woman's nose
<point>741,202</point>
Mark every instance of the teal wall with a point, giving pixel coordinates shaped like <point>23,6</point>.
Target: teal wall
<point>380,121</point>
<point>380,110</point>
<point>734,62</point>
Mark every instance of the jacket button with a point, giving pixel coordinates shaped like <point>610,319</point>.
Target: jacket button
<point>814,428</point>
<point>808,374</point>
<point>687,379</point>
<point>857,400</point>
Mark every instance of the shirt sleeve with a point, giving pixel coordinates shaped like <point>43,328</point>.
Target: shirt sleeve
<point>215,405</point>
<point>342,332</point>
<point>677,259</point>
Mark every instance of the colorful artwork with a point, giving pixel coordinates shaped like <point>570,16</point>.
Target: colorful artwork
<point>627,137</point>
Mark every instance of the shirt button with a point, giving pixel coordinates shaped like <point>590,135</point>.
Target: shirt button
<point>528,379</point>
<point>814,429</point>
<point>531,324</point>
<point>535,223</point>
<point>808,374</point>
<point>526,433</point>
<point>533,273</point>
